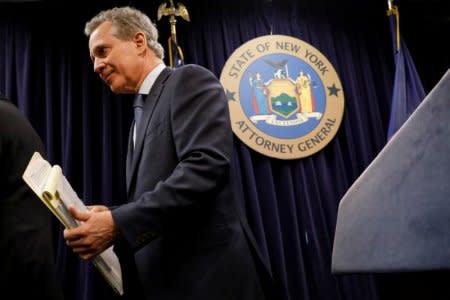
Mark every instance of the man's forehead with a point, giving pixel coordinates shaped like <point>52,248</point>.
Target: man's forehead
<point>100,34</point>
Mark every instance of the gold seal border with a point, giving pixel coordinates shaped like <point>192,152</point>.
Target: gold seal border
<point>261,142</point>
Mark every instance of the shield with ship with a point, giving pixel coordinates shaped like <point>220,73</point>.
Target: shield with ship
<point>282,97</point>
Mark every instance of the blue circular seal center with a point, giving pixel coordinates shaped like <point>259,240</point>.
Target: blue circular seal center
<point>282,96</point>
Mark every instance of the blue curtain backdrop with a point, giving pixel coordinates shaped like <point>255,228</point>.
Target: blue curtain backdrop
<point>291,205</point>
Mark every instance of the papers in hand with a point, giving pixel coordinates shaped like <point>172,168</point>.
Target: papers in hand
<point>52,187</point>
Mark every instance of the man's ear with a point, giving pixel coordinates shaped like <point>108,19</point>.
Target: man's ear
<point>140,41</point>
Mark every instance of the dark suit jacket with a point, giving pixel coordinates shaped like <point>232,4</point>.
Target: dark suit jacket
<point>27,267</point>
<point>180,222</point>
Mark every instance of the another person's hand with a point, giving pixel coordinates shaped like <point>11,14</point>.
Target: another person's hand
<point>96,233</point>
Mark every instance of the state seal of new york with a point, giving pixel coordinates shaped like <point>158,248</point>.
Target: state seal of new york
<point>285,98</point>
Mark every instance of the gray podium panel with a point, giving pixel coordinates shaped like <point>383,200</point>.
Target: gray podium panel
<point>396,215</point>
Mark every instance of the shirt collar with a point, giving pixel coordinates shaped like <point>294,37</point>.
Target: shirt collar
<point>150,79</point>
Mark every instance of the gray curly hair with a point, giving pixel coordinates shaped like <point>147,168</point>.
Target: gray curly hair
<point>127,21</point>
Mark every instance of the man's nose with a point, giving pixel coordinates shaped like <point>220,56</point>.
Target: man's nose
<point>99,65</point>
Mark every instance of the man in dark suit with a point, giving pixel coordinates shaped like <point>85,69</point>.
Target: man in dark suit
<point>27,267</point>
<point>179,235</point>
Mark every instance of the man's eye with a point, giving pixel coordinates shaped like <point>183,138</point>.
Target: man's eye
<point>101,51</point>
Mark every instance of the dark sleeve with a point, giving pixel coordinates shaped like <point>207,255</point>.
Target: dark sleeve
<point>26,255</point>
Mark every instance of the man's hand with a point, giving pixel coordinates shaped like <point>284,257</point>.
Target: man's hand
<point>96,233</point>
<point>97,208</point>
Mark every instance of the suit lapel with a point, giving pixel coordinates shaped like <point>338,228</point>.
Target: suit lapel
<point>129,156</point>
<point>150,104</point>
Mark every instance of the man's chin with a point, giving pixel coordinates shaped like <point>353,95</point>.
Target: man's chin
<point>114,89</point>
<point>120,90</point>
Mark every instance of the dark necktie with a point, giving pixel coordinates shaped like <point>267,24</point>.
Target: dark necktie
<point>138,108</point>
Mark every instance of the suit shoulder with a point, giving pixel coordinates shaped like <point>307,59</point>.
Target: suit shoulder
<point>14,125</point>
<point>9,111</point>
<point>193,69</point>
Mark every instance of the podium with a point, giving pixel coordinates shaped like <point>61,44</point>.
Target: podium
<point>396,215</point>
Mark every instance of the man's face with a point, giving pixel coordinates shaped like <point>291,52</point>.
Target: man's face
<point>117,62</point>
